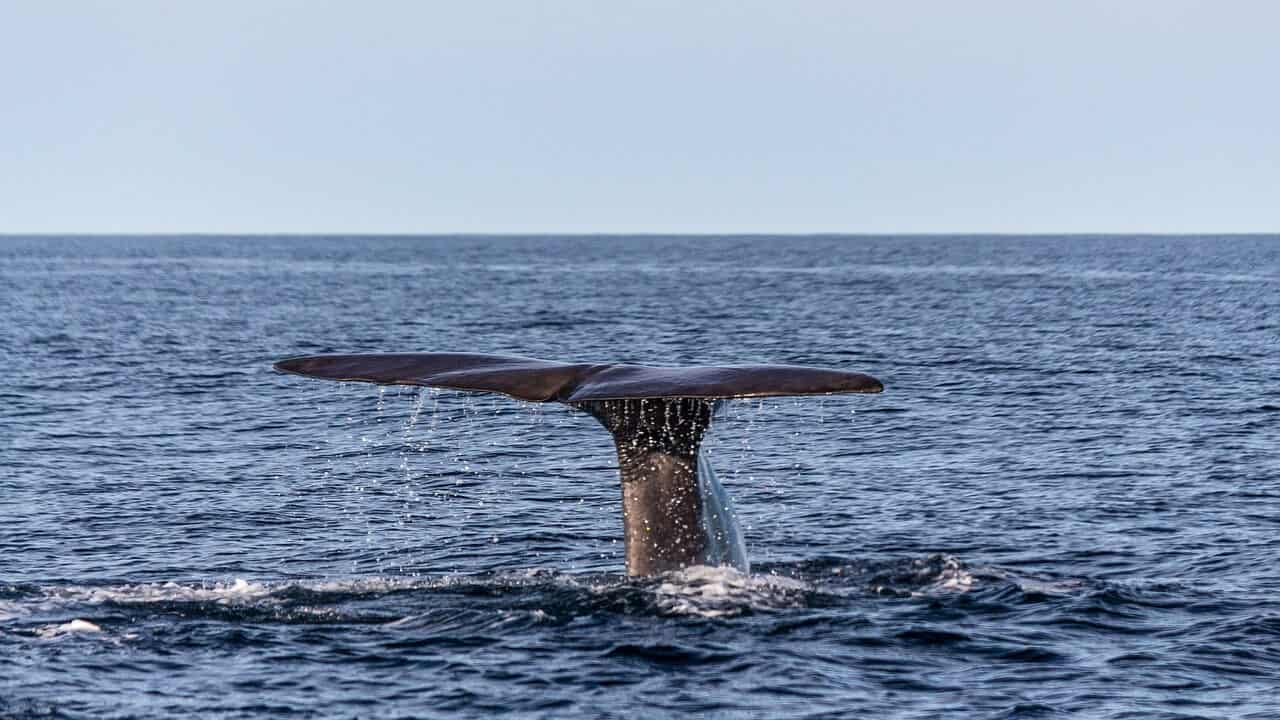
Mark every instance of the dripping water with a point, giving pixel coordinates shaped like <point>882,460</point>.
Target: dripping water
<point>719,520</point>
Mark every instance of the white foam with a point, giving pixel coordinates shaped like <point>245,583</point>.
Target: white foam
<point>723,591</point>
<point>955,579</point>
<point>928,576</point>
<point>378,584</point>
<point>238,591</point>
<point>75,626</point>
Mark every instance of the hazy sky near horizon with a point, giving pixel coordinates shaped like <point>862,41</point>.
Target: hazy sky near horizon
<point>419,117</point>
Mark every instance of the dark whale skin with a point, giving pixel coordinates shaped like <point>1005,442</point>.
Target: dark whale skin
<point>545,381</point>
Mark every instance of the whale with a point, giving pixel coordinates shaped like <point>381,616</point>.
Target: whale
<point>674,512</point>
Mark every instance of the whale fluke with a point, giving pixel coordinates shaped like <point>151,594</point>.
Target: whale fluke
<point>544,381</point>
<point>656,415</point>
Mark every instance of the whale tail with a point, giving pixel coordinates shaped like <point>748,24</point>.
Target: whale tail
<point>660,464</point>
<point>675,513</point>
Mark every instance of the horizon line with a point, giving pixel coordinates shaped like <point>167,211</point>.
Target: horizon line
<point>624,234</point>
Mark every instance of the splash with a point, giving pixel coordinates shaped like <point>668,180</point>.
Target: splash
<point>69,628</point>
<point>725,592</point>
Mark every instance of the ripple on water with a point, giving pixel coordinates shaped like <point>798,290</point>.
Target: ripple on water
<point>1062,506</point>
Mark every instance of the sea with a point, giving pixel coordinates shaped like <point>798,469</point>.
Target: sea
<point>1065,503</point>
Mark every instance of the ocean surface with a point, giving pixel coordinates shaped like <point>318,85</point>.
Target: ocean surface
<point>1066,503</point>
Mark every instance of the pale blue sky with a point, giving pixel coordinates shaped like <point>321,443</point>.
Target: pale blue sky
<point>419,117</point>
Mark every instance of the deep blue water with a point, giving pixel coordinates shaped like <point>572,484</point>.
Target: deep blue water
<point>1065,504</point>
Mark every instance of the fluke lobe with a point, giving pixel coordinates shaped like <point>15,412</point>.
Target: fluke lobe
<point>657,416</point>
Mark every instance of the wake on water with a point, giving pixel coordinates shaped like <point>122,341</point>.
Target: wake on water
<point>51,612</point>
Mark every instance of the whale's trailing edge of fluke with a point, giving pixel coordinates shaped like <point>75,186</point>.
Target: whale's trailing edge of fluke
<point>544,381</point>
<point>657,416</point>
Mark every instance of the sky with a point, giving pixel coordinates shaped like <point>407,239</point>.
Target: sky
<point>282,116</point>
